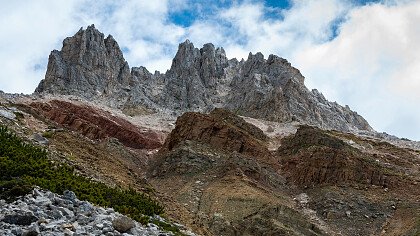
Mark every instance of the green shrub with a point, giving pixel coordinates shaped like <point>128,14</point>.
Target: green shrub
<point>23,166</point>
<point>19,115</point>
<point>48,134</point>
<point>167,227</point>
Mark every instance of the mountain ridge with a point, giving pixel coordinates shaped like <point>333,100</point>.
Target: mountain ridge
<point>93,67</point>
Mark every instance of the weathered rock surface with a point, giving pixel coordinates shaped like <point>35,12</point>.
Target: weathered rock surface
<point>46,213</point>
<point>312,157</point>
<point>222,172</point>
<point>92,67</point>
<point>217,133</point>
<point>97,124</point>
<point>40,139</point>
<point>7,114</point>
<point>88,65</point>
<point>318,182</point>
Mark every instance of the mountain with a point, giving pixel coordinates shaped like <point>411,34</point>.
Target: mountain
<point>215,146</point>
<point>93,67</point>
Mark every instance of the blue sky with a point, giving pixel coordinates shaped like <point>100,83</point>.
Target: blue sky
<point>187,16</point>
<point>356,52</point>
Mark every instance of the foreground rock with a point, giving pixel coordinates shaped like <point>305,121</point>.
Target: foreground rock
<point>93,67</point>
<point>46,213</point>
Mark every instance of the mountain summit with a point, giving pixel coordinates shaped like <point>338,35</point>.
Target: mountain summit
<point>93,67</point>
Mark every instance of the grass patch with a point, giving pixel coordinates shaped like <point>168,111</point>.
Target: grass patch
<point>19,115</point>
<point>48,134</point>
<point>168,227</point>
<point>23,166</point>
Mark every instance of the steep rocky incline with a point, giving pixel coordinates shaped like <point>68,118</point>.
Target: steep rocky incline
<point>315,157</point>
<point>93,67</point>
<point>97,124</point>
<point>219,175</point>
<point>316,183</point>
<point>224,175</point>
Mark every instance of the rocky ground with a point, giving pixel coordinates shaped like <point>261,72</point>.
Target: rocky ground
<point>46,213</point>
<point>316,182</point>
<point>220,174</point>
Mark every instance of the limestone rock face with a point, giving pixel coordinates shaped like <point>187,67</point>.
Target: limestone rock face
<point>200,80</point>
<point>193,78</point>
<point>89,66</point>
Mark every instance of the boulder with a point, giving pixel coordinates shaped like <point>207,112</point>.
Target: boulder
<point>20,218</point>
<point>123,224</point>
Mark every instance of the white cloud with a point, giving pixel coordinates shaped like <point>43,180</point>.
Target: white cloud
<point>30,30</point>
<point>141,27</point>
<point>372,65</point>
<point>28,35</point>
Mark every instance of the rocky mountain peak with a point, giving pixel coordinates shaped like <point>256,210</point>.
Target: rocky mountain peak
<point>94,67</point>
<point>186,56</point>
<point>89,48</point>
<point>207,61</point>
<point>87,65</point>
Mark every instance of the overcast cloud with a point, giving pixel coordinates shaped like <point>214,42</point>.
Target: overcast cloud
<point>362,55</point>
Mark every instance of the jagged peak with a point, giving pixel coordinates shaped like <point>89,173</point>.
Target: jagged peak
<point>140,71</point>
<point>257,56</point>
<point>89,65</point>
<point>91,27</point>
<point>187,44</point>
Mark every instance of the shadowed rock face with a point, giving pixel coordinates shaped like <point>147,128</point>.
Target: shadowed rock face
<point>313,157</point>
<point>316,183</point>
<point>92,66</point>
<point>96,124</point>
<point>218,133</point>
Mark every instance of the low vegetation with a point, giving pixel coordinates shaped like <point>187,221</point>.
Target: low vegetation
<point>23,166</point>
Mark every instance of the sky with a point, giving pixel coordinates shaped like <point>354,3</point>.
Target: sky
<point>365,54</point>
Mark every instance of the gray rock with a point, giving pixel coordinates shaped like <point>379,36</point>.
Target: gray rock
<point>93,67</point>
<point>55,218</point>
<point>17,231</point>
<point>42,201</point>
<point>66,212</point>
<point>67,232</point>
<point>20,218</point>
<point>123,224</point>
<point>88,65</point>
<point>107,229</point>
<point>40,139</point>
<point>7,114</point>
<point>32,230</point>
<point>85,207</point>
<point>69,195</point>
<point>56,214</point>
<point>83,220</point>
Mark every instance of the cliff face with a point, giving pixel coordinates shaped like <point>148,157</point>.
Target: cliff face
<point>88,65</point>
<point>317,182</point>
<point>93,67</point>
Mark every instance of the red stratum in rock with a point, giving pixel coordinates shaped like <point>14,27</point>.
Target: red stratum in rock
<point>97,124</point>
